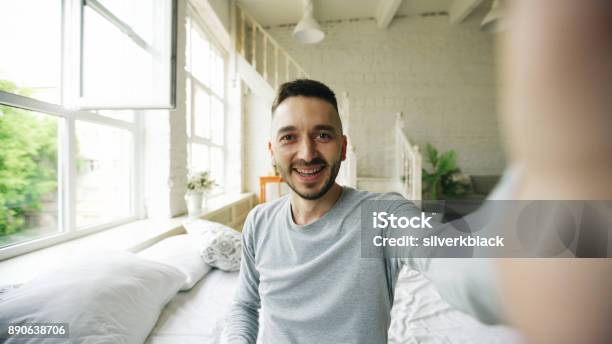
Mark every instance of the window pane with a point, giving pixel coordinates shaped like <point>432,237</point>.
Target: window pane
<point>201,112</point>
<point>216,165</point>
<point>200,57</point>
<point>30,32</point>
<point>217,121</point>
<point>199,158</point>
<point>218,75</point>
<point>109,58</point>
<point>123,66</point>
<point>28,175</point>
<point>207,75</point>
<point>103,191</point>
<point>138,14</point>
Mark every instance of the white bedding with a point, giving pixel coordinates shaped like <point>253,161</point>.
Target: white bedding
<point>115,297</point>
<point>420,315</point>
<point>198,315</point>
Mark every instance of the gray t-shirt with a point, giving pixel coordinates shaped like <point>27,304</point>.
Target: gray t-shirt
<point>312,285</point>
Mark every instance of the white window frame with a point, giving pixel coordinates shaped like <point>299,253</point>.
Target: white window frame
<point>193,82</point>
<point>67,155</point>
<point>73,10</point>
<point>67,228</point>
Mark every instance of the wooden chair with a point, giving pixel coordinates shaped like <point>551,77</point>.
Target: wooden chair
<point>263,181</point>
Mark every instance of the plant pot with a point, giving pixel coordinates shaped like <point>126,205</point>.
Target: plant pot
<point>194,202</point>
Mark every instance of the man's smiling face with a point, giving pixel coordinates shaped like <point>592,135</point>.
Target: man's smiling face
<point>307,145</point>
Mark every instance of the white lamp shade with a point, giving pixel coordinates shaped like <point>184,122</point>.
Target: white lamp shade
<point>308,31</point>
<point>494,20</point>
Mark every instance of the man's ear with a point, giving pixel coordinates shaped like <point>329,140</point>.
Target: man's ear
<point>272,159</point>
<point>344,143</point>
<point>271,153</point>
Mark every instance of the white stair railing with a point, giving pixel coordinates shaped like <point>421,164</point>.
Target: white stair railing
<point>262,51</point>
<point>409,163</point>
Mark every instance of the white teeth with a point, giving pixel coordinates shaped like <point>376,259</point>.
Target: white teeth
<point>308,171</point>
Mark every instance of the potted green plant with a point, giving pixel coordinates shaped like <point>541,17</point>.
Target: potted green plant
<point>198,187</point>
<point>444,179</point>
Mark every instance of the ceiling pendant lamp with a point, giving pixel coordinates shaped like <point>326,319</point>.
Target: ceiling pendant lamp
<point>308,30</point>
<point>494,22</point>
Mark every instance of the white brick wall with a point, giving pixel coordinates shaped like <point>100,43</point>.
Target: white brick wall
<point>440,76</point>
<point>165,145</point>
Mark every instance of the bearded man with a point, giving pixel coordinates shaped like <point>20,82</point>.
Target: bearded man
<point>301,259</point>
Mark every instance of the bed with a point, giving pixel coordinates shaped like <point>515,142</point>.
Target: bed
<point>419,315</point>
<point>136,299</point>
<point>197,315</point>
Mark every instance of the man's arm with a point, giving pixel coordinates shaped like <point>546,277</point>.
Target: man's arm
<point>557,102</point>
<point>243,319</point>
<point>468,284</point>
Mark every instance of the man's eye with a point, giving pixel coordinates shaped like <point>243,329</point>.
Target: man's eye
<point>287,138</point>
<point>324,136</point>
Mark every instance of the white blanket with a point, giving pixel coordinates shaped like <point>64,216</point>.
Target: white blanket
<point>419,315</point>
<point>198,315</point>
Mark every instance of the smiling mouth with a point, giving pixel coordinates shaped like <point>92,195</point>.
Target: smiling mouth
<point>309,173</point>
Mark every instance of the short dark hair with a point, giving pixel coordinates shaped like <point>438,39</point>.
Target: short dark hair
<point>305,88</point>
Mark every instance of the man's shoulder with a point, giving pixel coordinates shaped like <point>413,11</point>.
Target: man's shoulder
<point>267,210</point>
<point>390,201</point>
<point>364,195</point>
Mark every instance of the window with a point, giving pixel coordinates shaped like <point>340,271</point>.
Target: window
<point>64,172</point>
<point>206,102</point>
<point>127,54</point>
<point>103,177</point>
<point>29,184</point>
<point>31,54</point>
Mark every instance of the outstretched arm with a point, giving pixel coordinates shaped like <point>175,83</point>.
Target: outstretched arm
<point>468,284</point>
<point>557,74</point>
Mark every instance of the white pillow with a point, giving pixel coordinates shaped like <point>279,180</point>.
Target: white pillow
<point>201,227</point>
<point>182,252</point>
<point>114,298</point>
<point>220,246</point>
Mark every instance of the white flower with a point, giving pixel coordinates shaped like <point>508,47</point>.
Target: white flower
<point>200,182</point>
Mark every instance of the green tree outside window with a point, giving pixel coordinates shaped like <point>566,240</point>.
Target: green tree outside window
<point>28,164</point>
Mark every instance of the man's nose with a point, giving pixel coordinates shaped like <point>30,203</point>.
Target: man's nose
<point>307,150</point>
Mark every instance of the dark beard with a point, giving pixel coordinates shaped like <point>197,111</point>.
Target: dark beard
<point>335,168</point>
